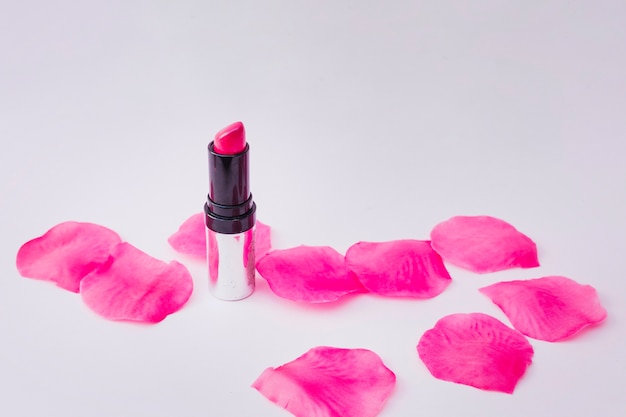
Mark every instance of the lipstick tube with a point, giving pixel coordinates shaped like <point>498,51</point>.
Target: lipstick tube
<point>230,216</point>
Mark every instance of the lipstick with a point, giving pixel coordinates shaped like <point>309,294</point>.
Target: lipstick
<point>230,215</point>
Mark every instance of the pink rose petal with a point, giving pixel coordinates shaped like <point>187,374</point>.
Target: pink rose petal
<point>477,350</point>
<point>329,382</point>
<point>309,274</point>
<point>136,287</point>
<point>401,268</point>
<point>483,244</point>
<point>263,239</point>
<point>66,253</point>
<point>549,308</point>
<point>190,239</point>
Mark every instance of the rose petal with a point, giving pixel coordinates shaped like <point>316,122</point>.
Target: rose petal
<point>483,244</point>
<point>263,239</point>
<point>190,239</point>
<point>310,274</point>
<point>401,268</point>
<point>66,253</point>
<point>330,382</point>
<point>136,287</point>
<point>477,350</point>
<point>549,308</point>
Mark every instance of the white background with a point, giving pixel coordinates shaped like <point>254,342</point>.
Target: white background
<point>367,121</point>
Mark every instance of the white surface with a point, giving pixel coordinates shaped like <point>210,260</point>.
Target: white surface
<point>367,121</point>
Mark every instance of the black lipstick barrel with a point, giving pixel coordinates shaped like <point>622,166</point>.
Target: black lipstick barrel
<point>229,208</point>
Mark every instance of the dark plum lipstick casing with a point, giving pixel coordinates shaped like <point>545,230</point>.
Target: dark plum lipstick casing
<point>230,216</point>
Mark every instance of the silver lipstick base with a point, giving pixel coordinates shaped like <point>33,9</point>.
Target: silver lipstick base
<point>231,264</point>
